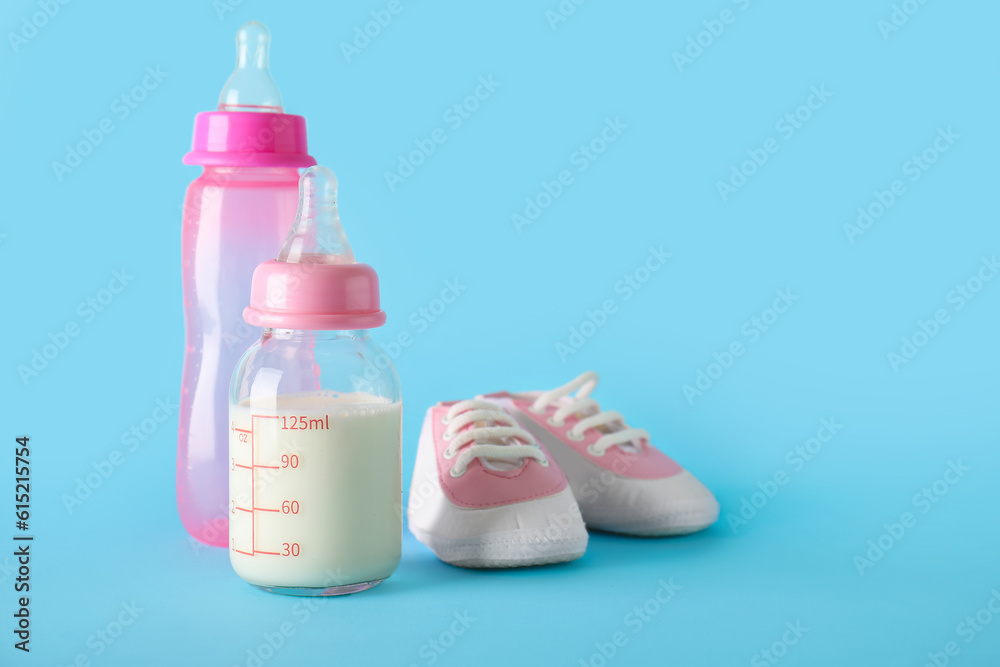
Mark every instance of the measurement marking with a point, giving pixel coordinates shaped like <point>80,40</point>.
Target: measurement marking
<point>253,502</point>
<point>264,509</point>
<point>242,430</point>
<point>240,551</point>
<point>253,479</point>
<point>243,509</point>
<point>240,465</point>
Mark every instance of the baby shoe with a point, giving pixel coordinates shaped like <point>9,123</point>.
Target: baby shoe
<point>621,481</point>
<point>486,494</point>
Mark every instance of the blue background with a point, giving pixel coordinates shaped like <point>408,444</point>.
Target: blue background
<point>794,561</point>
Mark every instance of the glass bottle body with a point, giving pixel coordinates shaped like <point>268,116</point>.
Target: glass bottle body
<point>315,476</point>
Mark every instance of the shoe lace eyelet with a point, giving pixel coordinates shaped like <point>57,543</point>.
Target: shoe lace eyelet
<point>533,410</point>
<point>445,420</point>
<point>455,472</point>
<point>553,422</point>
<point>593,452</point>
<point>447,453</point>
<point>574,436</point>
<point>447,435</point>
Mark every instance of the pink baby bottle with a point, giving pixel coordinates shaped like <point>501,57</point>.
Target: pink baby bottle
<point>235,214</point>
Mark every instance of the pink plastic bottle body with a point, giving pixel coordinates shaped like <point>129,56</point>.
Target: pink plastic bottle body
<point>234,219</point>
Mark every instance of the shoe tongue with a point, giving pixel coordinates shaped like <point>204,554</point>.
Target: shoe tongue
<point>501,465</point>
<point>630,447</point>
<point>587,412</point>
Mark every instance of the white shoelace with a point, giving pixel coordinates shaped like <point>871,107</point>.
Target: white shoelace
<point>611,424</point>
<point>497,438</point>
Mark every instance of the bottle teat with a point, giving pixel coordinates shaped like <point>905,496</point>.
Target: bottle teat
<point>316,236</point>
<point>250,87</point>
<point>315,284</point>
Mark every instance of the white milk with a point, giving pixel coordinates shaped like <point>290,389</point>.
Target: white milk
<point>321,505</point>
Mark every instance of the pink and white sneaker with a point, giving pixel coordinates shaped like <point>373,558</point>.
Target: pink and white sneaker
<point>622,483</point>
<point>486,494</point>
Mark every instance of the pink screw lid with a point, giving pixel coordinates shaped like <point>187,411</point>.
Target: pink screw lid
<point>315,282</point>
<point>248,139</point>
<point>250,128</point>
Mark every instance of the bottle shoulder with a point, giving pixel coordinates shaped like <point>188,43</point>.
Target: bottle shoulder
<point>279,366</point>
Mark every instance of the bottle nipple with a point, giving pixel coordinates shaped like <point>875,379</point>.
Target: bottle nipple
<point>250,87</point>
<point>316,236</point>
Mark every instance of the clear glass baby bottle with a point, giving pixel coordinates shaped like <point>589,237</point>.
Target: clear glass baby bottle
<point>315,418</point>
<point>235,214</point>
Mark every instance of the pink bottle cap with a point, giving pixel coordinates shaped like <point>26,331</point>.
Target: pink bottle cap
<point>250,128</point>
<point>315,282</point>
<point>247,139</point>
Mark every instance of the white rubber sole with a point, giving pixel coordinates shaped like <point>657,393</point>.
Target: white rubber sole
<point>668,524</point>
<point>512,548</point>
